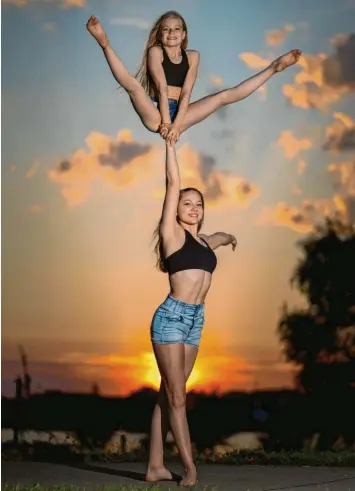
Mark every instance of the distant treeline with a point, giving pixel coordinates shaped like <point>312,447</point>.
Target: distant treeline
<point>287,417</point>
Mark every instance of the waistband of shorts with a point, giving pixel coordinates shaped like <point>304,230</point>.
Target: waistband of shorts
<point>170,101</point>
<point>175,305</point>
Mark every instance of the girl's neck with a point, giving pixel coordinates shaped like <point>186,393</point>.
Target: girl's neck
<point>173,52</point>
<point>192,229</point>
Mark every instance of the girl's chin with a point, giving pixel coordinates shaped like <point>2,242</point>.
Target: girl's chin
<point>191,221</point>
<point>171,44</point>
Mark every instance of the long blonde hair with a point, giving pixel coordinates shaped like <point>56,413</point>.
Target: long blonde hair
<point>155,40</point>
<point>158,248</point>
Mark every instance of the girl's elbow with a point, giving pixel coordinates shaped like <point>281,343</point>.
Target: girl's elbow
<point>173,182</point>
<point>186,95</point>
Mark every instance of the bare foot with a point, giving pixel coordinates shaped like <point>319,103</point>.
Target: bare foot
<point>161,474</point>
<point>190,478</point>
<point>96,30</point>
<point>286,60</point>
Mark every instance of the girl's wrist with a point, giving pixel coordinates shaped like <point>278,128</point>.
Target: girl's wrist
<point>106,44</point>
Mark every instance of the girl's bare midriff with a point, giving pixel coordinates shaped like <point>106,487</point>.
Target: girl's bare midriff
<point>190,286</point>
<point>173,93</point>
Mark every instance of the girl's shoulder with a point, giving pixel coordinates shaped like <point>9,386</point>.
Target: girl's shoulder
<point>156,50</point>
<point>192,52</point>
<point>193,55</point>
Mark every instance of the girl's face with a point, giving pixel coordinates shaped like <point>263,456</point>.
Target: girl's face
<point>172,33</point>
<point>190,208</point>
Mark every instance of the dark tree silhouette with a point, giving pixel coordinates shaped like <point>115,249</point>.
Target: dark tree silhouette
<point>320,339</point>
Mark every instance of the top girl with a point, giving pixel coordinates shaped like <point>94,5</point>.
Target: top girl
<point>161,90</point>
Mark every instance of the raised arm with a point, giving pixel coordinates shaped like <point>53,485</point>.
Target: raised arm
<point>184,101</point>
<point>155,58</point>
<point>169,226</point>
<point>220,239</point>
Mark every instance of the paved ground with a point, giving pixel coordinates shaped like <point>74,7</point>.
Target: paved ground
<point>219,477</point>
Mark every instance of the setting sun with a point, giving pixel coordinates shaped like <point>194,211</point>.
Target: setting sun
<point>152,376</point>
<point>213,371</point>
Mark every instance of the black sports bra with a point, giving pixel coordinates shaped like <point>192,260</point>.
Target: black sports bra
<point>192,255</point>
<point>175,73</point>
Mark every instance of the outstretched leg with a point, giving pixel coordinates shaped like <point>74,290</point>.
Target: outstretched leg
<point>201,109</point>
<point>159,428</point>
<point>143,105</point>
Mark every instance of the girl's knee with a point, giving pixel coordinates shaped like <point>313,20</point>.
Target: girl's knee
<point>176,396</point>
<point>222,98</point>
<point>152,126</point>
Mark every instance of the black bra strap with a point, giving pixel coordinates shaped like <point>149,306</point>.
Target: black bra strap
<point>166,57</point>
<point>203,240</point>
<point>165,54</point>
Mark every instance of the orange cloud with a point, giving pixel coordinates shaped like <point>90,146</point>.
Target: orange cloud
<point>343,174</point>
<point>221,189</point>
<point>301,167</point>
<point>118,162</point>
<point>73,3</point>
<point>35,209</point>
<point>32,171</point>
<point>216,80</point>
<point>18,3</point>
<point>291,145</point>
<point>122,162</point>
<point>340,134</point>
<point>62,3</point>
<point>262,92</point>
<point>135,22</point>
<point>300,219</point>
<point>296,190</point>
<point>254,61</point>
<point>49,26</point>
<point>324,78</point>
<point>304,218</point>
<point>284,215</point>
<point>339,39</point>
<point>278,36</point>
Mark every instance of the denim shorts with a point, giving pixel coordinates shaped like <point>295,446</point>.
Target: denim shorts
<point>173,106</point>
<point>177,322</point>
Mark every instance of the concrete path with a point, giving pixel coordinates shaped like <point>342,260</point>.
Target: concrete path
<point>216,477</point>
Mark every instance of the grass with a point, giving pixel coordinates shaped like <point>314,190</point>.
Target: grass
<point>292,458</point>
<point>119,487</point>
<point>37,487</point>
<point>66,454</point>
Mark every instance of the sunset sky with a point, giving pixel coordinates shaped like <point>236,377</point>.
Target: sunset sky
<point>82,184</point>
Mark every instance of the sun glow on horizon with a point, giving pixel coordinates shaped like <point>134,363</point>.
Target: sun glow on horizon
<point>212,372</point>
<point>152,375</point>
